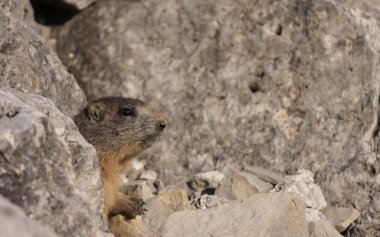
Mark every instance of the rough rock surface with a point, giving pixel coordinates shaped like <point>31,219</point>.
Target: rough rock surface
<point>238,187</point>
<point>161,207</point>
<point>14,222</point>
<point>242,189</point>
<point>28,64</point>
<point>46,166</point>
<point>210,179</point>
<point>282,84</point>
<point>303,184</point>
<point>148,175</point>
<point>259,184</point>
<point>271,214</point>
<point>314,215</point>
<point>21,10</point>
<point>141,188</point>
<point>264,174</point>
<point>341,217</point>
<point>322,228</point>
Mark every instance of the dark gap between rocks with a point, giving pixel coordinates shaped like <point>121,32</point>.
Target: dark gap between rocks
<point>254,87</point>
<point>52,15</point>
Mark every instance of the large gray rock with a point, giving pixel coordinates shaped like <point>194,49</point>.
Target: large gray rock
<point>281,84</point>
<point>256,182</point>
<point>322,228</point>
<point>264,174</point>
<point>46,166</point>
<point>303,184</point>
<point>14,222</point>
<point>27,62</point>
<point>20,9</point>
<point>210,179</point>
<point>271,215</point>
<point>341,217</point>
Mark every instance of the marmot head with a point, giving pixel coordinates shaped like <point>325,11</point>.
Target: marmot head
<point>121,127</point>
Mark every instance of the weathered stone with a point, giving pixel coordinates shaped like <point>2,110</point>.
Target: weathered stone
<point>28,64</point>
<point>208,201</point>
<point>341,217</point>
<point>46,166</point>
<point>264,174</point>
<point>14,222</point>
<point>270,214</point>
<point>148,175</point>
<point>140,188</point>
<point>241,189</point>
<point>236,187</point>
<point>284,85</point>
<point>259,184</point>
<point>303,184</point>
<point>322,228</point>
<point>21,10</point>
<point>210,179</point>
<point>160,186</point>
<point>224,189</point>
<point>314,215</point>
<point>160,207</point>
<point>368,7</point>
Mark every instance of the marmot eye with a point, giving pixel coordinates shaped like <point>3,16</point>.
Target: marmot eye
<point>126,112</point>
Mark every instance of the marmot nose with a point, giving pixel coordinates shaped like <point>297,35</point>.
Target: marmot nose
<point>162,122</point>
<point>162,125</point>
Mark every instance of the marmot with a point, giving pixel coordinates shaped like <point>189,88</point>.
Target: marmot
<point>119,129</point>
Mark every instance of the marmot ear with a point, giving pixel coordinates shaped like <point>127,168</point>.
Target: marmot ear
<point>95,112</point>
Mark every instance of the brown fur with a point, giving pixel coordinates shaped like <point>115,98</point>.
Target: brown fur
<point>119,129</point>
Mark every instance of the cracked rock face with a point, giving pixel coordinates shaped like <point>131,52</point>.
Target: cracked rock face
<point>263,215</point>
<point>303,184</point>
<point>28,64</point>
<point>46,166</point>
<point>15,223</point>
<point>21,10</point>
<point>282,84</point>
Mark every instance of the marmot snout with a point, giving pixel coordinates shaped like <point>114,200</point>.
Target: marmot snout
<point>120,125</point>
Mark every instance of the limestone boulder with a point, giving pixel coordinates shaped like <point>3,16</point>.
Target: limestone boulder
<point>29,64</point>
<point>46,166</point>
<point>170,214</point>
<point>322,228</point>
<point>285,85</point>
<point>341,217</point>
<point>210,179</point>
<point>14,222</point>
<point>303,184</point>
<point>21,10</point>
<point>271,214</point>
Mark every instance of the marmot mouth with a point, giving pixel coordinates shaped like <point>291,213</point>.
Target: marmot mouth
<point>152,138</point>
